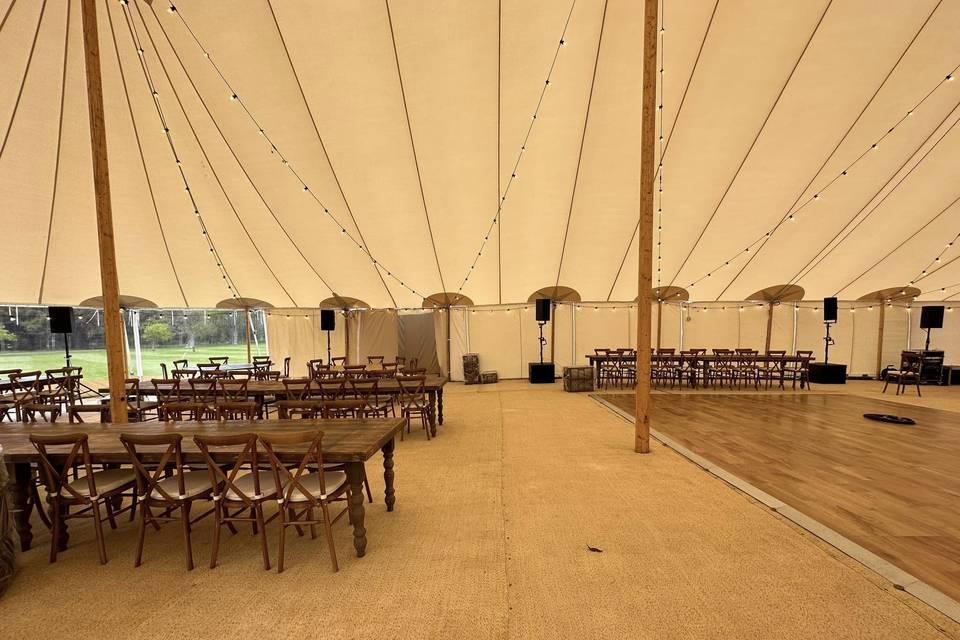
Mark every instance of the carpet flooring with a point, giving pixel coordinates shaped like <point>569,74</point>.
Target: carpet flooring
<point>528,517</point>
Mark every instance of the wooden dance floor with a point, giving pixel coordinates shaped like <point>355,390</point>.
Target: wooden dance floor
<point>892,489</point>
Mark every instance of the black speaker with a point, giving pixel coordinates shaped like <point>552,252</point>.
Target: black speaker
<point>543,310</point>
<point>61,319</point>
<point>931,317</point>
<point>541,372</point>
<point>829,309</point>
<point>328,320</point>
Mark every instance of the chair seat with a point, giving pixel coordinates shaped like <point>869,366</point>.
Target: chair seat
<point>194,483</point>
<point>105,482</point>
<point>268,486</point>
<point>332,480</point>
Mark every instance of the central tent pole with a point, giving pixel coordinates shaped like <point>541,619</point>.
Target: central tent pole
<point>246,317</point>
<point>880,341</point>
<point>648,125</point>
<point>769,326</point>
<point>113,324</point>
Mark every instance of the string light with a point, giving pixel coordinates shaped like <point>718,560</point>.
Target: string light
<point>660,87</point>
<point>284,161</point>
<point>523,148</point>
<point>132,27</point>
<point>817,195</point>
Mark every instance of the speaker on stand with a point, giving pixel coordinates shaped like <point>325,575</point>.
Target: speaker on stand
<point>61,321</point>
<point>824,372</point>
<point>542,372</point>
<point>931,318</point>
<point>328,323</point>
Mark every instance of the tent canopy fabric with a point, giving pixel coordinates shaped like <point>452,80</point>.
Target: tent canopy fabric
<point>387,150</point>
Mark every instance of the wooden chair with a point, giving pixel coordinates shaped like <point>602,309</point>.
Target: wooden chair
<point>607,373</point>
<point>218,360</point>
<point>138,409</point>
<point>375,362</point>
<point>315,365</point>
<point>166,391</point>
<point>246,410</point>
<point>7,401</point>
<point>183,374</point>
<point>205,370</point>
<point>242,487</point>
<point>180,364</point>
<point>234,393</point>
<point>303,409</point>
<point>305,490</point>
<point>203,394</point>
<point>367,390</point>
<point>413,401</point>
<point>338,362</point>
<point>772,369</point>
<point>799,370</point>
<point>286,367</point>
<point>166,486</point>
<point>745,369</point>
<point>329,388</point>
<point>355,371</point>
<point>265,360</point>
<point>90,492</point>
<point>721,369</point>
<point>59,389</point>
<point>25,393</point>
<point>908,373</point>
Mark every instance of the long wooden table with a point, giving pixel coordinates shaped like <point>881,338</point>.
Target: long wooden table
<point>703,360</point>
<point>350,442</point>
<point>259,389</point>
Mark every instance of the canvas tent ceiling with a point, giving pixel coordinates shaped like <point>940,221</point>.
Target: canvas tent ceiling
<point>423,106</point>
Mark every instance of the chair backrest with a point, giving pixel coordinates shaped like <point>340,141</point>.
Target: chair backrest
<point>329,388</point>
<point>25,386</point>
<point>412,391</point>
<point>149,474</point>
<point>232,389</point>
<point>206,369</point>
<point>261,371</point>
<point>218,360</point>
<point>289,483</point>
<point>305,409</point>
<point>167,390</point>
<point>339,361</point>
<point>911,362</point>
<point>180,364</point>
<point>376,361</point>
<point>297,388</point>
<point>225,480</point>
<point>58,380</point>
<point>262,360</point>
<point>236,411</point>
<point>163,370</point>
<point>183,374</point>
<point>365,390</point>
<point>666,352</point>
<point>57,477</point>
<point>286,367</point>
<point>203,389</point>
<point>804,354</point>
<point>313,366</point>
<point>7,372</point>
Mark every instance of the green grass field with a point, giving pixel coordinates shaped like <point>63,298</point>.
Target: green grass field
<point>94,361</point>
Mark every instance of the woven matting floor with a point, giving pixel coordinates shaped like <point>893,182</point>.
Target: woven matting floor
<point>490,540</point>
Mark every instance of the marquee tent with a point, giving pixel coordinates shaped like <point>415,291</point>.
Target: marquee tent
<point>389,151</point>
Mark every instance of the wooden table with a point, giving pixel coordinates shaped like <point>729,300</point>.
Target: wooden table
<point>259,389</point>
<point>704,360</point>
<point>350,442</point>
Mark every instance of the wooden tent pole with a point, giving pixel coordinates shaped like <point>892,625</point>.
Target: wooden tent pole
<point>449,364</point>
<point>246,315</point>
<point>659,321</point>
<point>769,326</point>
<point>880,340</point>
<point>346,336</point>
<point>648,123</point>
<point>113,323</point>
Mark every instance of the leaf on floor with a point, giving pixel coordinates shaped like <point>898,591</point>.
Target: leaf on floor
<point>594,549</point>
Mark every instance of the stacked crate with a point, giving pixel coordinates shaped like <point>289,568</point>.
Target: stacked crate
<point>488,377</point>
<point>471,368</point>
<point>578,378</point>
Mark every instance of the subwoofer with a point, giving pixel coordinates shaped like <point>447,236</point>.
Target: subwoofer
<point>61,319</point>
<point>328,320</point>
<point>540,372</point>
<point>931,317</point>
<point>543,310</point>
<point>829,309</point>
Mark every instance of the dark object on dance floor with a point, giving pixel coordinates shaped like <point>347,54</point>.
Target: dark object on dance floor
<point>594,549</point>
<point>886,417</point>
<point>828,373</point>
<point>540,372</point>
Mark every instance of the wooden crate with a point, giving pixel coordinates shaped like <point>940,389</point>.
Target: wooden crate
<point>578,378</point>
<point>471,368</point>
<point>488,377</point>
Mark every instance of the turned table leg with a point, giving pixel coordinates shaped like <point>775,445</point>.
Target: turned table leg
<point>355,478</point>
<point>389,495</point>
<point>439,406</point>
<point>433,413</point>
<point>20,494</point>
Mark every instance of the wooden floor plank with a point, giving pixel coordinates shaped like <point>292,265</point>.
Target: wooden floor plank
<point>893,489</point>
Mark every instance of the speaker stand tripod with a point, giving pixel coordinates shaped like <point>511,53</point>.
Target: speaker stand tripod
<point>827,341</point>
<point>927,347</point>
<point>328,347</point>
<point>543,341</point>
<point>66,347</point>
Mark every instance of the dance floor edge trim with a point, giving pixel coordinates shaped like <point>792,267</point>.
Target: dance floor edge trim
<point>900,579</point>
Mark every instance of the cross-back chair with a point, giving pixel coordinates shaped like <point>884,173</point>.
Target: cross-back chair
<point>165,485</point>
<point>95,489</point>
<point>306,488</point>
<point>414,401</point>
<point>240,488</point>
